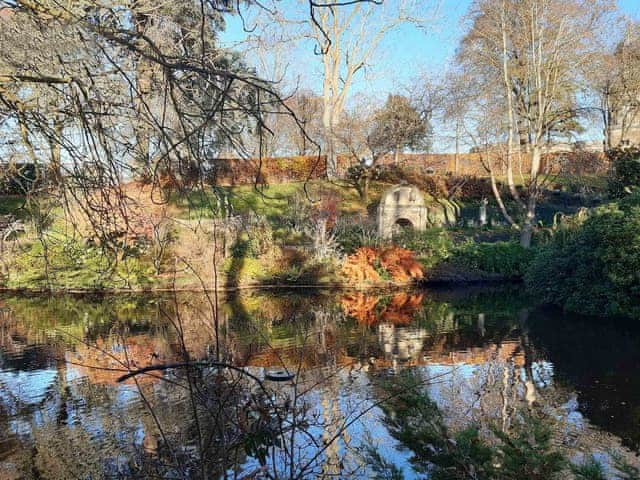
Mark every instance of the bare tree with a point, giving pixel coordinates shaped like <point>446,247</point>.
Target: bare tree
<point>532,54</point>
<point>615,80</point>
<point>453,110</point>
<point>307,107</point>
<point>345,37</point>
<point>349,38</point>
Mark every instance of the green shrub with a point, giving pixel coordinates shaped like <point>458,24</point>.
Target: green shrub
<point>506,258</point>
<point>526,451</point>
<point>65,262</point>
<point>590,469</point>
<point>19,178</point>
<point>12,205</point>
<point>592,265</point>
<point>432,245</point>
<point>625,170</point>
<point>255,241</point>
<point>352,234</point>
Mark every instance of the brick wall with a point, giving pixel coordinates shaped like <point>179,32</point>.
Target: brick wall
<point>302,168</point>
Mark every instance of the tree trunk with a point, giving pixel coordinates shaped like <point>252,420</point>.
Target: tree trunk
<point>530,216</point>
<point>510,117</point>
<point>498,197</point>
<point>365,191</point>
<point>332,159</point>
<point>527,233</point>
<point>144,75</point>
<point>144,83</point>
<point>56,153</point>
<point>524,138</point>
<point>329,144</point>
<point>396,155</point>
<point>456,157</point>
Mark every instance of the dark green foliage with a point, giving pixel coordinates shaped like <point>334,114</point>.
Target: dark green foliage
<point>415,421</point>
<point>392,173</point>
<point>625,170</point>
<point>352,235</point>
<point>65,262</point>
<point>398,125</point>
<point>255,241</point>
<point>591,469</point>
<point>528,452</point>
<point>380,468</point>
<point>359,172</point>
<point>506,258</point>
<point>18,178</point>
<point>592,266</point>
<point>13,205</point>
<point>433,244</point>
<point>361,175</point>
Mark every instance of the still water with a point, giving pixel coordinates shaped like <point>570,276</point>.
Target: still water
<point>483,355</point>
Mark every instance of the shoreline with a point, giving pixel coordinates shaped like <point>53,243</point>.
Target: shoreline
<point>425,283</point>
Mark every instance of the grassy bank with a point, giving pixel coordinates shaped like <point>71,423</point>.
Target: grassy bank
<point>284,235</point>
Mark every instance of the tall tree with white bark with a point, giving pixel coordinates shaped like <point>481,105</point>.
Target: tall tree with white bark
<point>533,54</point>
<point>345,38</point>
<point>615,81</point>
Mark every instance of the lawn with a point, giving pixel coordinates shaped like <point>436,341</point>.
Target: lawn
<point>270,201</point>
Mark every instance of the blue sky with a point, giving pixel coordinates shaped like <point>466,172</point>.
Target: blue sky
<point>411,51</point>
<point>407,55</point>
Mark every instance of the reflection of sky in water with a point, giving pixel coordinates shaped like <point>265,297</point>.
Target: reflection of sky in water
<point>356,394</point>
<point>458,354</point>
<point>19,390</point>
<point>39,392</point>
<point>354,398</point>
<point>28,388</point>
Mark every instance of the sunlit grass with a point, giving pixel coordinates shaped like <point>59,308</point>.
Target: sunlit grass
<point>271,201</point>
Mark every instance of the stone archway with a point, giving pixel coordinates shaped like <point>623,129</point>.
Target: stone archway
<point>401,206</point>
<point>400,225</point>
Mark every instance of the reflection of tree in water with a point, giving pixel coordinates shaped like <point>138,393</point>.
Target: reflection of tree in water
<point>209,419</point>
<point>414,330</point>
<point>197,422</point>
<point>107,359</point>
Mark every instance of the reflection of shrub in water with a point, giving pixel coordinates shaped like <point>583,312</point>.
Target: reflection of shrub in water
<point>399,309</point>
<point>527,449</point>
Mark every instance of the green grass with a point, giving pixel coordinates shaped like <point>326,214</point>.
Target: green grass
<point>596,183</point>
<point>67,262</point>
<point>270,201</point>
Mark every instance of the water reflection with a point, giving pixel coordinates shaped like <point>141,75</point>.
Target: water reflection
<point>487,354</point>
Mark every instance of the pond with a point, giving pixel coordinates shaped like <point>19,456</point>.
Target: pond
<point>212,404</point>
